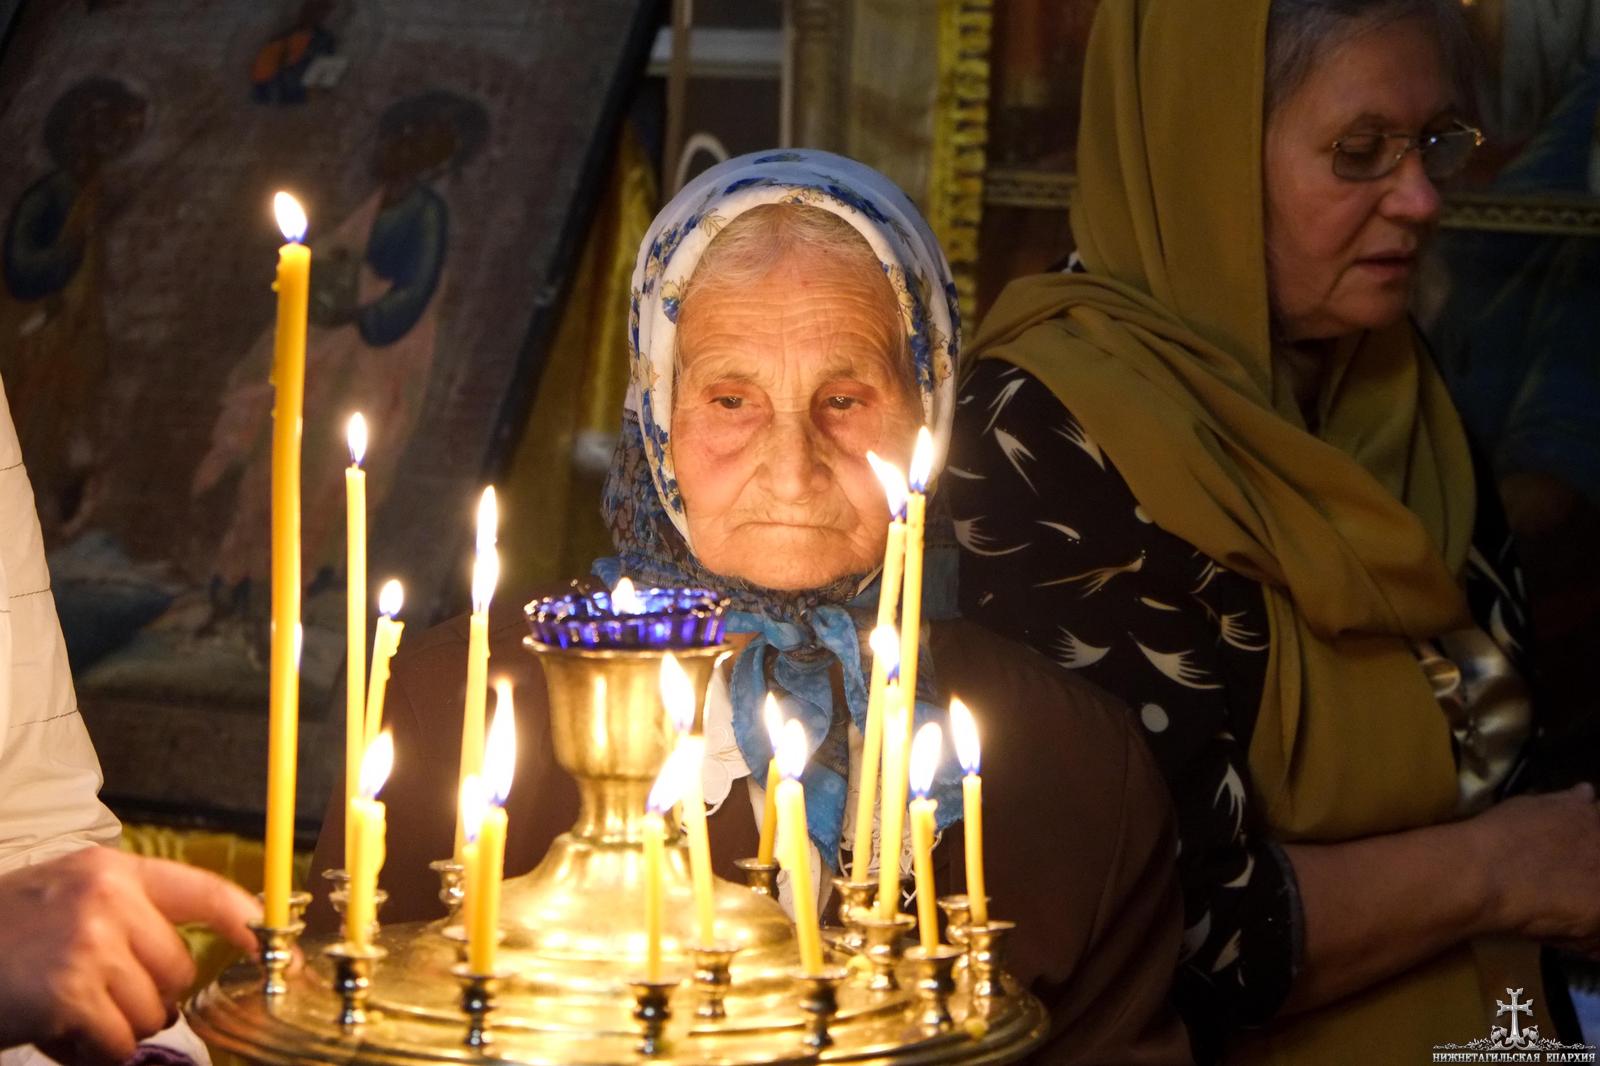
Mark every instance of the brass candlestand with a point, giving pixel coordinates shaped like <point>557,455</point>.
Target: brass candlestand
<point>569,983</point>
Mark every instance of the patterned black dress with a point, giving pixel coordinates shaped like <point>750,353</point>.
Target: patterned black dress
<point>1057,553</point>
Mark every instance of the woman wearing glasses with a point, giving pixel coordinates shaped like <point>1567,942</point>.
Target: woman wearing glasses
<point>1213,469</point>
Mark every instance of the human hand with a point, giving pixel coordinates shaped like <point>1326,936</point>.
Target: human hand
<point>1542,856</point>
<point>89,961</point>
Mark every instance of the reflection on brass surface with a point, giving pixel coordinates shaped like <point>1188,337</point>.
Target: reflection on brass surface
<point>573,946</point>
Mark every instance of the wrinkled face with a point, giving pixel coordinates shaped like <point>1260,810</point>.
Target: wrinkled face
<point>783,386</point>
<point>1342,255</point>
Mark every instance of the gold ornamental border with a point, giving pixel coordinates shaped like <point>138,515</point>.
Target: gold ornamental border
<point>961,140</point>
<point>1565,216</point>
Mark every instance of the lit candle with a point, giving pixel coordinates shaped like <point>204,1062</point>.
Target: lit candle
<point>885,665</point>
<point>485,574</point>
<point>911,602</point>
<point>288,380</point>
<point>793,751</point>
<point>488,836</point>
<point>677,694</point>
<point>769,809</point>
<point>385,642</point>
<point>666,792</point>
<point>367,816</point>
<point>471,807</point>
<point>964,735</point>
<point>355,507</point>
<point>891,817</point>
<point>625,599</point>
<point>924,761</point>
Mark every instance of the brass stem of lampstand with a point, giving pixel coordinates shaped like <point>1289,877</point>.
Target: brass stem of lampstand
<point>352,980</point>
<point>935,982</point>
<point>819,999</point>
<point>855,903</point>
<point>451,886</point>
<point>884,949</point>
<point>986,959</point>
<point>713,976</point>
<point>276,944</point>
<point>762,877</point>
<point>652,1009</point>
<point>477,1003</point>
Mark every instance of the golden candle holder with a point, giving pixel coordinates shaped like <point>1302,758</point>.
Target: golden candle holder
<point>452,887</point>
<point>712,978</point>
<point>276,945</point>
<point>352,980</point>
<point>762,877</point>
<point>573,943</point>
<point>935,982</point>
<point>855,903</point>
<point>985,959</point>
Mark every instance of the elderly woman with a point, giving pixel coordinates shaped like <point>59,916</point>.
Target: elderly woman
<point>791,311</point>
<point>1212,468</point>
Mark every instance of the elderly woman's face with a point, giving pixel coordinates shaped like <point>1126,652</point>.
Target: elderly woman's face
<point>1342,255</point>
<point>783,386</point>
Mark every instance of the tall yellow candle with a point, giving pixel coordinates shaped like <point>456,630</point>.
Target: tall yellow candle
<point>385,642</point>
<point>367,815</point>
<point>924,761</point>
<point>891,817</point>
<point>964,734</point>
<point>485,574</point>
<point>472,806</point>
<point>283,701</point>
<point>664,794</point>
<point>911,599</point>
<point>885,645</point>
<point>769,809</point>
<point>489,841</point>
<point>793,752</point>
<point>677,695</point>
<point>355,506</point>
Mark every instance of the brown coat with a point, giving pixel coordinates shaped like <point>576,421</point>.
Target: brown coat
<point>1079,839</point>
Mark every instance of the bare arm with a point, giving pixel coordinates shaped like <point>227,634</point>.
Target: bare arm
<point>1378,906</point>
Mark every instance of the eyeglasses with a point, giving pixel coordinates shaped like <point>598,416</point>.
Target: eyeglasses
<point>1370,156</point>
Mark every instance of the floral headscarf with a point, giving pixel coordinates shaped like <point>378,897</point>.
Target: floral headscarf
<point>799,635</point>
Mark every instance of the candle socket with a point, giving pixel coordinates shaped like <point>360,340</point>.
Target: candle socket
<point>883,950</point>
<point>855,903</point>
<point>652,1010</point>
<point>712,979</point>
<point>762,877</point>
<point>338,898</point>
<point>986,960</point>
<point>935,982</point>
<point>452,890</point>
<point>477,1003</point>
<point>277,944</point>
<point>819,999</point>
<point>352,981</point>
<point>957,916</point>
<point>338,882</point>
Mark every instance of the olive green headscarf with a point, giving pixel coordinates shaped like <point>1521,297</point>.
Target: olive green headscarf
<point>1163,352</point>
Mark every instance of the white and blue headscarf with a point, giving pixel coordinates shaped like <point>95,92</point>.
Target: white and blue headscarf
<point>799,635</point>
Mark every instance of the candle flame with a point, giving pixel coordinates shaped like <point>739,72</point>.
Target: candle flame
<point>670,782</point>
<point>925,749</point>
<point>964,735</point>
<point>485,575</point>
<point>500,749</point>
<point>291,217</point>
<point>922,461</point>
<point>772,718</point>
<point>885,645</point>
<point>793,750</point>
<point>624,600</point>
<point>376,764</point>
<point>474,805</point>
<point>677,693</point>
<point>391,598</point>
<point>894,484</point>
<point>355,435</point>
<point>488,521</point>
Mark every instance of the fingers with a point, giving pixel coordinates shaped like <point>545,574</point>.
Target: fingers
<point>185,894</point>
<point>136,997</point>
<point>102,1038</point>
<point>159,949</point>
